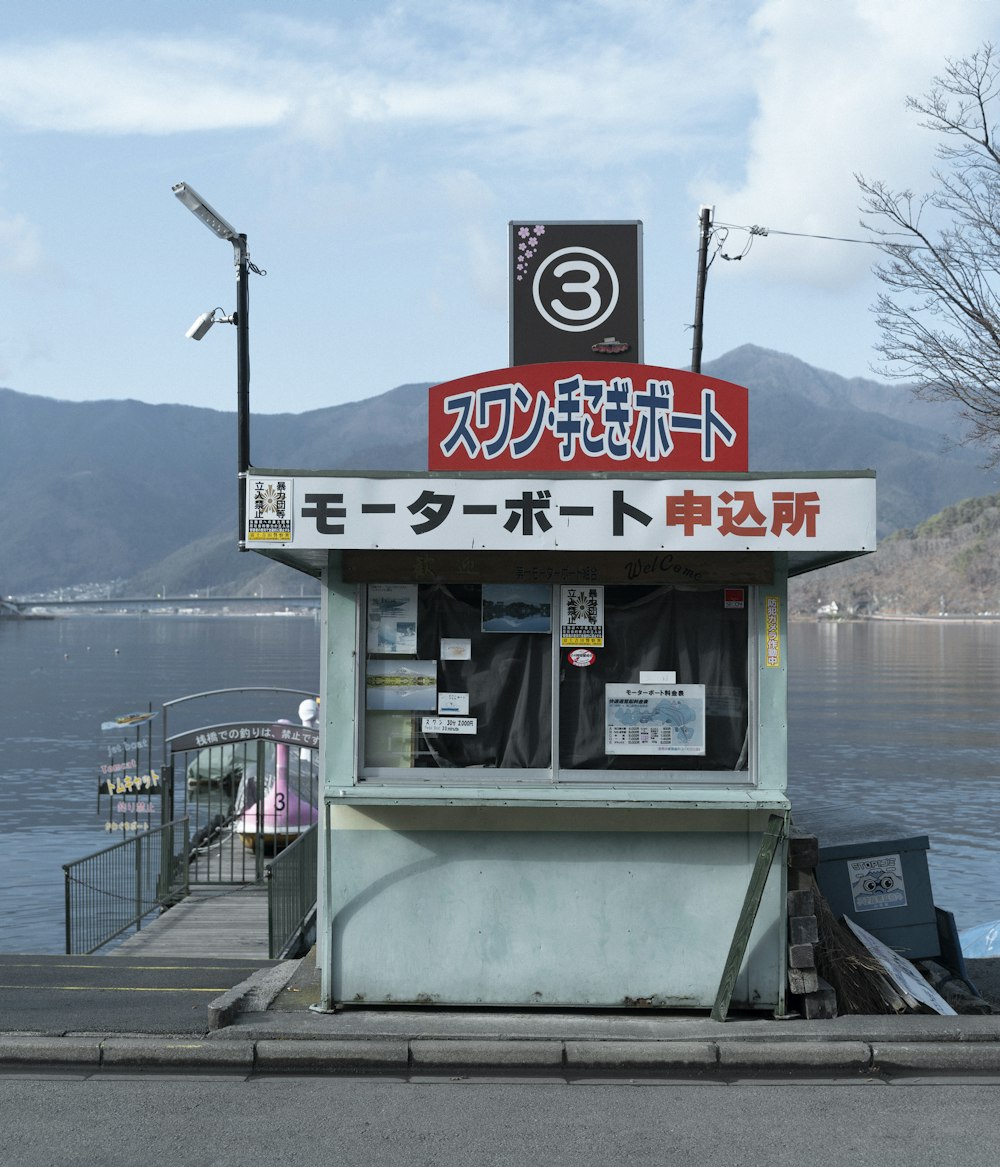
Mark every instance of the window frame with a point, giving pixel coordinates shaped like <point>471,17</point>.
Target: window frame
<point>555,777</point>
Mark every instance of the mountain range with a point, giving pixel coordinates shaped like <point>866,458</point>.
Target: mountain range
<point>145,495</point>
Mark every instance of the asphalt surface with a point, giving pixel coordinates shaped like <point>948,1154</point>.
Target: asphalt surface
<point>113,994</point>
<point>117,1119</point>
<point>110,1014</point>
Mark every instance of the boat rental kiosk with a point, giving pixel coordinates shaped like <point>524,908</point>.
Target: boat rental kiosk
<point>553,702</point>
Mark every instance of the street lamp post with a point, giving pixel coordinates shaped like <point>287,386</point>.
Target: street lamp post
<point>241,318</point>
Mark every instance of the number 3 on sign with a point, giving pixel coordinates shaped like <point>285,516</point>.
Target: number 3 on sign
<point>595,311</point>
<point>582,287</point>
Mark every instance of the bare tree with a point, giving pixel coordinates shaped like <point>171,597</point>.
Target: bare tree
<point>939,314</point>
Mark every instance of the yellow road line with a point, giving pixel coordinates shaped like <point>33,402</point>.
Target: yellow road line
<point>138,967</point>
<point>113,989</point>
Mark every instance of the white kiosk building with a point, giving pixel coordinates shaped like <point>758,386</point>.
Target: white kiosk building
<point>553,725</point>
<point>553,707</point>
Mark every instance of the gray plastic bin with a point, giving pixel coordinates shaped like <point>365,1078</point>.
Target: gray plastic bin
<point>886,888</point>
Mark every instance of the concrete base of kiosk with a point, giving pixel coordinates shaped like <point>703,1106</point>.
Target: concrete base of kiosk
<point>546,905</point>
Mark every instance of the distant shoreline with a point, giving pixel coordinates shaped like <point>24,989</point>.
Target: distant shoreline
<point>802,618</point>
<point>991,618</point>
<point>156,613</point>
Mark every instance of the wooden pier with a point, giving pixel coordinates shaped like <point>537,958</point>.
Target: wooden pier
<point>213,920</point>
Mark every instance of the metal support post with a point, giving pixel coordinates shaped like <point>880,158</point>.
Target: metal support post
<point>242,381</point>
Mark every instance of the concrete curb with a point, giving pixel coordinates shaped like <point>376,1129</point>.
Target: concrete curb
<point>475,1054</point>
<point>176,1053</point>
<point>933,1057</point>
<point>31,1049</point>
<point>827,1056</point>
<point>641,1055</point>
<point>254,995</point>
<point>333,1057</point>
<point>723,1059</point>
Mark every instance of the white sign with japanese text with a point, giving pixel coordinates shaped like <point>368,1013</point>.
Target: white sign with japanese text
<point>654,719</point>
<point>465,725</point>
<point>269,510</point>
<point>742,513</point>
<point>581,617</point>
<point>877,883</point>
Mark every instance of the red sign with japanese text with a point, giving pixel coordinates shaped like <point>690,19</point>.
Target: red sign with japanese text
<point>587,415</point>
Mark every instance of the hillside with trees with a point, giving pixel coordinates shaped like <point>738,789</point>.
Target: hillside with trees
<point>947,565</point>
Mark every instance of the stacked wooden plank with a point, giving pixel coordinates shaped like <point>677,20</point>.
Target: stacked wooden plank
<point>810,995</point>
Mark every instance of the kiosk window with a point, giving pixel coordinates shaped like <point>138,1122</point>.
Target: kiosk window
<point>658,630</point>
<point>491,695</point>
<point>463,676</point>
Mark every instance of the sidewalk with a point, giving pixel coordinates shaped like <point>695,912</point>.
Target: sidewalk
<point>265,1025</point>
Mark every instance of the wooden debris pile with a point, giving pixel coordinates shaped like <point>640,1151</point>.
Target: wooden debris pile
<point>836,966</point>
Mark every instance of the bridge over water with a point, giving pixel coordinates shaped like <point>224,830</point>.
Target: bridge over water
<point>166,605</point>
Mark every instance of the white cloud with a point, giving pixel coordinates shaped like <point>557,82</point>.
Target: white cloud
<point>132,86</point>
<point>832,80</point>
<point>598,80</point>
<point>20,250</point>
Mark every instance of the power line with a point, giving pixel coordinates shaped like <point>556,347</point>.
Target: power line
<point>765,231</point>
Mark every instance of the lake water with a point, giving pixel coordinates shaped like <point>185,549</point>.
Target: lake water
<point>59,680</point>
<point>894,730</point>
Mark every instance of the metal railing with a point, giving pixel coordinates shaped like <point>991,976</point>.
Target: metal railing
<point>225,778</point>
<point>291,894</point>
<point>113,890</point>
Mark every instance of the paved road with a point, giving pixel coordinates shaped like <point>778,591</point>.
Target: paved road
<point>111,1119</point>
<point>114,994</point>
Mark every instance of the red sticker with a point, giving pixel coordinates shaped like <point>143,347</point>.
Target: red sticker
<point>581,657</point>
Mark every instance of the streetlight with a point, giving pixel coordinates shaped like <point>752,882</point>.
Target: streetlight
<point>241,318</point>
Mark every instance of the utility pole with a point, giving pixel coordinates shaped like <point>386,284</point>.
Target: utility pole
<point>705,233</point>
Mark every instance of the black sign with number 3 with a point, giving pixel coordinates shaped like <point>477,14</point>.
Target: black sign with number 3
<point>575,292</point>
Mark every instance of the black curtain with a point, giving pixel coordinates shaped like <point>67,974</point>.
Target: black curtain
<point>508,680</point>
<point>691,633</point>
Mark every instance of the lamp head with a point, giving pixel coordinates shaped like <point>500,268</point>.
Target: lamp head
<point>204,211</point>
<point>201,325</point>
<point>205,322</point>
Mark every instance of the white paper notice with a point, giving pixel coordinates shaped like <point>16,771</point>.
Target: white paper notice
<point>654,719</point>
<point>456,704</point>
<point>448,724</point>
<point>392,618</point>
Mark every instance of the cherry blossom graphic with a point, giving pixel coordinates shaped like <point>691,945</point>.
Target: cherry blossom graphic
<point>527,248</point>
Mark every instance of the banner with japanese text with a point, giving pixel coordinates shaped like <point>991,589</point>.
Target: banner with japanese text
<point>403,512</point>
<point>586,416</point>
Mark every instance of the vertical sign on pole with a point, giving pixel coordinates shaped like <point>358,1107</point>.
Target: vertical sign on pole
<point>575,292</point>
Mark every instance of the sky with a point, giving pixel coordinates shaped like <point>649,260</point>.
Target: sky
<point>374,153</point>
